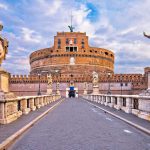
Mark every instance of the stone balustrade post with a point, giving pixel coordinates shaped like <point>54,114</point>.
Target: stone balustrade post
<point>47,99</point>
<point>98,98</point>
<point>102,101</point>
<point>128,105</point>
<point>50,98</point>
<point>2,113</point>
<point>107,101</point>
<point>54,97</point>
<point>46,102</point>
<point>91,98</point>
<point>37,104</point>
<point>41,101</point>
<point>119,103</point>
<point>112,101</point>
<point>32,105</point>
<point>24,108</point>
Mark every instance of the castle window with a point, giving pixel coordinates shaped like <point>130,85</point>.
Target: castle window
<point>59,43</point>
<point>106,53</point>
<point>91,51</point>
<point>67,49</point>
<point>67,41</point>
<point>71,49</point>
<point>59,46</point>
<point>75,49</point>
<point>75,41</point>
<point>82,43</point>
<point>95,51</point>
<point>126,84</point>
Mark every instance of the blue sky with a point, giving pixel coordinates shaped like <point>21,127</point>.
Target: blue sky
<point>117,25</point>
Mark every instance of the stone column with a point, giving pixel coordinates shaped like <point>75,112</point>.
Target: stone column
<point>37,104</point>
<point>44,100</point>
<point>128,105</point>
<point>119,103</point>
<point>24,108</point>
<point>41,101</point>
<point>107,101</point>
<point>2,113</point>
<point>112,101</point>
<point>148,80</point>
<point>102,101</point>
<point>32,106</point>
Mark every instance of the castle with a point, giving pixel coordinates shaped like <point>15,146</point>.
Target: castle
<point>71,61</point>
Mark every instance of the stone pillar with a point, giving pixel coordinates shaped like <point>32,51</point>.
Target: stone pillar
<point>32,106</point>
<point>119,103</point>
<point>107,101</point>
<point>95,90</point>
<point>41,101</point>
<point>44,100</point>
<point>102,101</point>
<point>128,105</point>
<point>8,112</point>
<point>112,101</point>
<point>2,113</point>
<point>24,108</point>
<point>4,81</point>
<point>37,104</point>
<point>149,81</point>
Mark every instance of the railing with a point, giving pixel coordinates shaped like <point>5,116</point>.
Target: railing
<point>135,104</point>
<point>11,109</point>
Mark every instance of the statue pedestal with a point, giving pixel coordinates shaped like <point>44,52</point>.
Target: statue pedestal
<point>49,91</point>
<point>57,92</point>
<point>95,90</point>
<point>4,80</point>
<point>85,92</point>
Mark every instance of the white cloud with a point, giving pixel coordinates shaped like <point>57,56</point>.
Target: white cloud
<point>31,35</point>
<point>3,6</point>
<point>52,9</point>
<point>119,27</point>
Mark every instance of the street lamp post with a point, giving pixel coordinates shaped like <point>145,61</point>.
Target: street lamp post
<point>39,91</point>
<point>109,75</point>
<point>57,72</point>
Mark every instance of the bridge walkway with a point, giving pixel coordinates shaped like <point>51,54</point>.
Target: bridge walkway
<point>78,125</point>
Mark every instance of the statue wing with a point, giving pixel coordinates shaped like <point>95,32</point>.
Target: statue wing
<point>148,36</point>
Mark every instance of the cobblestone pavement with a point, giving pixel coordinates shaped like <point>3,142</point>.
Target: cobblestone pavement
<point>77,125</point>
<point>8,129</point>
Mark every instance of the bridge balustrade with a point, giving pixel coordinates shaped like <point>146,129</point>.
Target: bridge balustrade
<point>11,109</point>
<point>134,104</point>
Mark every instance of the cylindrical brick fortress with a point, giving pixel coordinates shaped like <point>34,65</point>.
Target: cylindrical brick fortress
<point>72,54</point>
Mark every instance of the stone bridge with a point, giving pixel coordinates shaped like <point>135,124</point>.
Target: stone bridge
<point>92,122</point>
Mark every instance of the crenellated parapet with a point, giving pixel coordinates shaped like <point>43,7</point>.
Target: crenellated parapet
<point>136,79</point>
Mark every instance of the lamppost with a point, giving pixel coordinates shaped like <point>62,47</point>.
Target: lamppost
<point>121,84</point>
<point>109,75</point>
<point>39,91</point>
<point>57,72</point>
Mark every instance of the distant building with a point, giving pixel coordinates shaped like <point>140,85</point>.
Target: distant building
<point>75,61</point>
<point>72,54</point>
